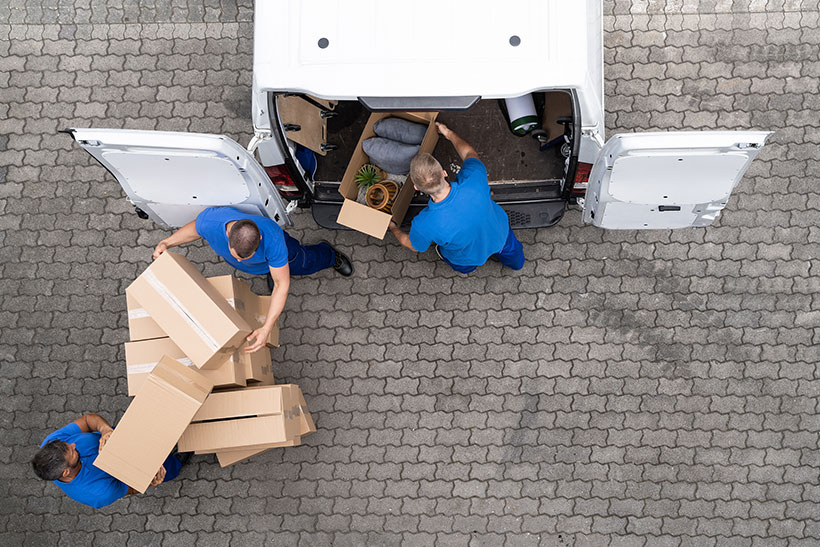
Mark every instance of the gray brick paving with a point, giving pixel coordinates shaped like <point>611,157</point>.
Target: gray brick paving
<point>624,388</point>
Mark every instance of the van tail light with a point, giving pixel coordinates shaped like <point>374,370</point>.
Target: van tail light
<point>283,182</point>
<point>579,186</point>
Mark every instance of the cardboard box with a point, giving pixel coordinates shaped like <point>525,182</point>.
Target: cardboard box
<point>164,406</point>
<point>190,310</point>
<point>306,426</point>
<point>359,216</point>
<point>142,356</point>
<point>257,367</point>
<point>140,324</point>
<point>235,456</point>
<point>251,306</point>
<point>247,417</point>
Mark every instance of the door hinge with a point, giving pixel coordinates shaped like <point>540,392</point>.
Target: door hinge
<point>258,137</point>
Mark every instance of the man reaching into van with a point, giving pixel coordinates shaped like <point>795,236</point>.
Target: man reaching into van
<point>258,245</point>
<point>466,225</point>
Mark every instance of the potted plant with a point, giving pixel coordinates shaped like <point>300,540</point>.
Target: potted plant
<point>368,175</point>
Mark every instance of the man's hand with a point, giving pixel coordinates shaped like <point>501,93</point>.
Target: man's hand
<point>186,234</point>
<point>463,148</point>
<point>258,339</point>
<point>443,130</point>
<point>160,248</point>
<point>159,477</point>
<point>104,436</point>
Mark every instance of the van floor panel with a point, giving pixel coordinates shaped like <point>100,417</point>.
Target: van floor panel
<point>508,157</point>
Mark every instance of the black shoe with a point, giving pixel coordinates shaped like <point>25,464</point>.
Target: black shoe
<point>342,264</point>
<point>270,283</point>
<point>183,457</point>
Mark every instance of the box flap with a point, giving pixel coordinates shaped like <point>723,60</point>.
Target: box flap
<point>238,432</point>
<point>251,306</point>
<point>230,457</point>
<point>251,401</point>
<point>153,423</point>
<point>363,218</point>
<point>305,419</point>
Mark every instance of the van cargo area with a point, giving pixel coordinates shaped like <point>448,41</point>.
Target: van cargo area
<point>508,157</point>
<point>525,181</point>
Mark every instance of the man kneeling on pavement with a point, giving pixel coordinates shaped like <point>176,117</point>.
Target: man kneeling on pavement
<point>66,457</point>
<point>462,219</point>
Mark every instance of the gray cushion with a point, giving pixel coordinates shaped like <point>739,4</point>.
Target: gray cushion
<point>399,129</point>
<point>394,157</point>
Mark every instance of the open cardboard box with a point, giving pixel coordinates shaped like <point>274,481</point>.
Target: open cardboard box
<point>251,306</point>
<point>190,310</point>
<point>230,457</point>
<point>359,216</point>
<point>153,422</point>
<point>306,426</point>
<point>257,366</point>
<point>248,417</point>
<point>142,356</point>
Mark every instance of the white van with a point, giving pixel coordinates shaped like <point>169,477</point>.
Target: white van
<point>320,68</point>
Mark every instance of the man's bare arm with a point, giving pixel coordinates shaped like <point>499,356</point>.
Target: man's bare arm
<point>186,234</point>
<point>281,286</point>
<point>463,148</point>
<point>93,422</point>
<point>402,236</point>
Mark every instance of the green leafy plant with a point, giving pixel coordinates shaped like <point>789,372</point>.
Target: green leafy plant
<point>368,175</point>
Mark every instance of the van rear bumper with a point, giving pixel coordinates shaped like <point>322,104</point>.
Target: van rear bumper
<point>529,205</point>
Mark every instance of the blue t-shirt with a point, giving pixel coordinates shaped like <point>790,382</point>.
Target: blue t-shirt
<point>468,225</point>
<point>91,486</point>
<point>272,251</point>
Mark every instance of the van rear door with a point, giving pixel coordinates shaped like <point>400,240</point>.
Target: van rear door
<point>173,176</point>
<point>667,180</point>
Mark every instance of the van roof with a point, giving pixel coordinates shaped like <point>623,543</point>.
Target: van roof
<point>345,49</point>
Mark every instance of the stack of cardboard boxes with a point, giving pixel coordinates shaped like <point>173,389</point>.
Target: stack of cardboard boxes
<point>188,336</point>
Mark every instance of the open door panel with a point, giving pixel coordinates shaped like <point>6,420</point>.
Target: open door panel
<point>304,123</point>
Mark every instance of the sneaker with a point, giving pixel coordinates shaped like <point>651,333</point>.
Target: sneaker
<point>342,264</point>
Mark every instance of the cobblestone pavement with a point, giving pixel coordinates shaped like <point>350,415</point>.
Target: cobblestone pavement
<point>624,388</point>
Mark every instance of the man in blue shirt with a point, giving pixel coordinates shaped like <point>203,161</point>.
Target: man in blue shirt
<point>258,245</point>
<point>462,219</point>
<point>67,456</point>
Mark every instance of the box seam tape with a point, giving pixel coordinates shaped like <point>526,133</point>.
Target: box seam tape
<point>137,313</point>
<point>169,297</point>
<point>139,368</point>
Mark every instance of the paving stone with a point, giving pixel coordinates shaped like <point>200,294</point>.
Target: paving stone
<point>652,388</point>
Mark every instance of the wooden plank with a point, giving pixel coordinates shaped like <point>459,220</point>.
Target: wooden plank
<point>313,132</point>
<point>557,104</point>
